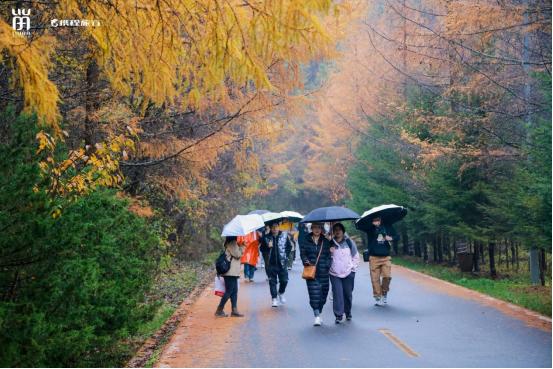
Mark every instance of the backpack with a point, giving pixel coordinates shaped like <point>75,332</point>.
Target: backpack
<point>222,264</point>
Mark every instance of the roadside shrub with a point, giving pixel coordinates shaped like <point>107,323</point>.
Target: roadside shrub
<point>72,288</point>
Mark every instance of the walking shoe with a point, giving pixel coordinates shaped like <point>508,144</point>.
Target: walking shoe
<point>220,313</point>
<point>281,299</point>
<point>289,268</point>
<point>377,301</point>
<point>348,317</point>
<point>318,321</point>
<point>384,299</point>
<point>275,303</point>
<point>251,280</point>
<point>235,313</point>
<point>339,319</point>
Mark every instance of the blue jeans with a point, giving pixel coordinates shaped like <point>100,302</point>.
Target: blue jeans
<point>249,270</point>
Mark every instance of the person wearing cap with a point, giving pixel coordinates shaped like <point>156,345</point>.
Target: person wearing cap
<point>275,247</point>
<point>315,250</point>
<point>379,238</point>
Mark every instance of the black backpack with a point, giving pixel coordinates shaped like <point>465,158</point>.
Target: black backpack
<point>222,264</point>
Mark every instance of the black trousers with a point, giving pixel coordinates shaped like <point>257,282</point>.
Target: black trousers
<point>231,291</point>
<point>342,295</point>
<point>277,274</point>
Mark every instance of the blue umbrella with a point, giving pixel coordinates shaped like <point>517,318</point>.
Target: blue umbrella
<point>330,214</point>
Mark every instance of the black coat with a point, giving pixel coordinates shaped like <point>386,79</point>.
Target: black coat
<point>271,254</point>
<point>380,248</point>
<point>317,288</point>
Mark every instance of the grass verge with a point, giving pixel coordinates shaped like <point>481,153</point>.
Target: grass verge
<point>174,285</point>
<point>514,288</point>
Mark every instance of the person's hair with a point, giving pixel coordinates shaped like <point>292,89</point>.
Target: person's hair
<point>229,239</point>
<point>317,225</point>
<point>377,218</point>
<point>339,225</point>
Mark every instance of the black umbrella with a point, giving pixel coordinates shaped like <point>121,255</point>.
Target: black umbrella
<point>388,213</point>
<point>330,214</point>
<point>260,212</point>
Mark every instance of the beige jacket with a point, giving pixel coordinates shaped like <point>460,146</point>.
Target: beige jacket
<point>234,251</point>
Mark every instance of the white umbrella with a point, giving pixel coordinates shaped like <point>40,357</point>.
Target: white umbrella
<point>292,215</point>
<point>389,213</point>
<point>270,217</point>
<point>241,225</point>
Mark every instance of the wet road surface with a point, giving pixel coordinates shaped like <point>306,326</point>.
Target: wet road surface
<point>427,323</point>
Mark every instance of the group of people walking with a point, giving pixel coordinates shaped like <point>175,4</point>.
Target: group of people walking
<point>334,255</point>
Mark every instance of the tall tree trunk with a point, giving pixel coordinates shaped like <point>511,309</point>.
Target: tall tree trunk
<point>440,248</point>
<point>405,240</point>
<point>453,243</point>
<point>482,254</point>
<point>543,266</point>
<point>91,101</point>
<point>425,251</point>
<point>513,255</point>
<point>447,243</point>
<point>475,254</point>
<point>491,252</point>
<point>434,248</point>
<point>418,248</point>
<point>506,253</point>
<point>517,255</point>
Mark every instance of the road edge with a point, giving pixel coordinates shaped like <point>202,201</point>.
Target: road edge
<point>529,317</point>
<point>157,342</point>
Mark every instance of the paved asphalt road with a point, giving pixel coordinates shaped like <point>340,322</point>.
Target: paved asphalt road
<point>420,327</point>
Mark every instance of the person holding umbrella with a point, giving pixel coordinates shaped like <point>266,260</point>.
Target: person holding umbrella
<point>240,225</point>
<point>315,250</point>
<point>275,248</point>
<point>345,260</point>
<point>377,223</point>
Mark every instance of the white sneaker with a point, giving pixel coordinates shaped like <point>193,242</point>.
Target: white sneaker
<point>318,321</point>
<point>377,301</point>
<point>384,299</point>
<point>275,303</point>
<point>281,299</point>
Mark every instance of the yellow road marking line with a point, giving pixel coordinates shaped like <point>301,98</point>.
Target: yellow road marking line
<point>399,343</point>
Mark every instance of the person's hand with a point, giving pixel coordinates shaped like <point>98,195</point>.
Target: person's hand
<point>270,244</point>
<point>306,263</point>
<point>332,249</point>
<point>388,238</point>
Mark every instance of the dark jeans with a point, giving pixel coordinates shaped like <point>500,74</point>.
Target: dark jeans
<point>249,270</point>
<point>342,295</point>
<point>277,272</point>
<point>231,291</point>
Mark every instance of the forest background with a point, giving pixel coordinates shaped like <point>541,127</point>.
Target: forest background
<point>126,146</point>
